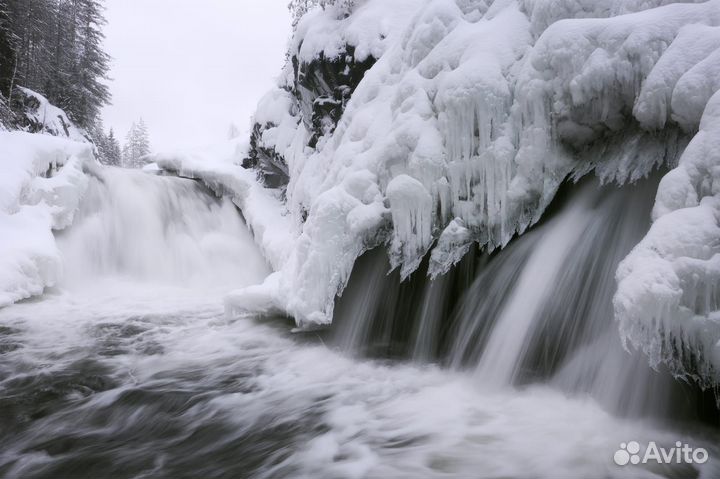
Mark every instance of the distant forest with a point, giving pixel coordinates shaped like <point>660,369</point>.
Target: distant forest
<point>54,47</point>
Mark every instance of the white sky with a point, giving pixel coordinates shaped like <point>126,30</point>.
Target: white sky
<point>191,68</point>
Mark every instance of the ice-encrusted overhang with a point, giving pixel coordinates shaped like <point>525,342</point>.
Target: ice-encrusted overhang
<point>473,115</point>
<point>668,299</point>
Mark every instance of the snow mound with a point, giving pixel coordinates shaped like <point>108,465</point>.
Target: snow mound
<point>41,184</point>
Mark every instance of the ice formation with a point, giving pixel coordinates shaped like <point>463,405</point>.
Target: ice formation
<point>668,299</point>
<point>468,117</point>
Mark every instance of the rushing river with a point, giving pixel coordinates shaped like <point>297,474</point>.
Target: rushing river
<point>131,369</point>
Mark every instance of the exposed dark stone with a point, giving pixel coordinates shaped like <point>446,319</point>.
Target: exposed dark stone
<point>270,165</point>
<point>321,89</point>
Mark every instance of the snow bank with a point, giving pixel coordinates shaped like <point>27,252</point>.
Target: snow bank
<point>41,184</point>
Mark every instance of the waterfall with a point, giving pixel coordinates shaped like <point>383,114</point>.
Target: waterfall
<point>152,228</point>
<point>539,311</point>
<point>537,283</point>
<point>509,364</point>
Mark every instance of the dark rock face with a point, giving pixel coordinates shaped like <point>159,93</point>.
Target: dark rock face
<point>271,166</point>
<point>321,89</point>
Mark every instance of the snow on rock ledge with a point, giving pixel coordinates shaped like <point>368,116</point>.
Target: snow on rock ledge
<point>42,116</point>
<point>41,184</point>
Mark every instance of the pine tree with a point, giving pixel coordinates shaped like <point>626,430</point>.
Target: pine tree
<point>8,48</point>
<point>128,148</point>
<point>114,156</point>
<point>143,139</point>
<point>97,134</point>
<point>89,92</point>
<point>137,145</point>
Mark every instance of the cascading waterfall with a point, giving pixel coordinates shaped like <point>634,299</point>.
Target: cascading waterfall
<point>158,228</point>
<point>472,144</point>
<point>499,363</point>
<point>557,324</point>
<point>511,362</point>
<point>538,311</point>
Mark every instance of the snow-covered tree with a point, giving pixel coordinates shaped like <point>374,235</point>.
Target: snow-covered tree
<point>112,146</point>
<point>97,134</point>
<point>107,145</point>
<point>137,145</point>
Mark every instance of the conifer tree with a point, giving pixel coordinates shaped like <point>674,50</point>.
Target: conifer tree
<point>54,47</point>
<point>97,134</point>
<point>114,156</point>
<point>137,145</point>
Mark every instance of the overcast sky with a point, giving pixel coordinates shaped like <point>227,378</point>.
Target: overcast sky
<point>190,68</point>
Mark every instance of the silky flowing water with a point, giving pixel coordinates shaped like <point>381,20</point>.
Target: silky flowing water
<point>130,367</point>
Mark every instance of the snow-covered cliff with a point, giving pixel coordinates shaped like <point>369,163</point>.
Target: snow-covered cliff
<point>429,126</point>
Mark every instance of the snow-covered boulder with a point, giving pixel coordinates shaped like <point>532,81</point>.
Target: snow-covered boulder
<point>41,116</point>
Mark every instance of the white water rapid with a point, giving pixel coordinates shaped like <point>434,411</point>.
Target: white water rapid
<point>130,368</point>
